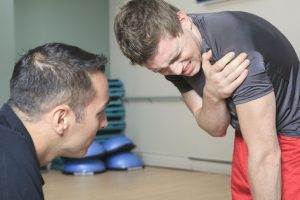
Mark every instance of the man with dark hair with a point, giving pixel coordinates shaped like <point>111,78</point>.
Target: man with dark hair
<point>57,104</point>
<point>263,108</point>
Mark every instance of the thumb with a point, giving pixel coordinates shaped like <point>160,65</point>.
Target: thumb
<point>205,59</point>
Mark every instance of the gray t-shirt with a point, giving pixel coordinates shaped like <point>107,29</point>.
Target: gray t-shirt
<point>274,65</point>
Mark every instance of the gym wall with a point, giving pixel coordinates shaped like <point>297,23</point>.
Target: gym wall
<point>27,24</point>
<point>7,46</point>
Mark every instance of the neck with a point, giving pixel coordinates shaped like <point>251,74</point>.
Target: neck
<point>39,135</point>
<point>196,32</point>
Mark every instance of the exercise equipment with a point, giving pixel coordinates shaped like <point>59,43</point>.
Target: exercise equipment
<point>95,150</point>
<point>117,144</point>
<point>83,167</point>
<point>115,110</point>
<point>124,161</point>
<point>116,88</point>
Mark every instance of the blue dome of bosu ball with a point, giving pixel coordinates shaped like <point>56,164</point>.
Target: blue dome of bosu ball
<point>124,161</point>
<point>117,144</point>
<point>95,150</point>
<point>84,167</point>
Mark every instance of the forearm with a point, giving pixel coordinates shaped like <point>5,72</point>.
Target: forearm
<point>213,117</point>
<point>221,80</point>
<point>257,121</point>
<point>265,177</point>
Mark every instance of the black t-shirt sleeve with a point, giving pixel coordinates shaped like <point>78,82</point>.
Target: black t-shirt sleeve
<point>179,82</point>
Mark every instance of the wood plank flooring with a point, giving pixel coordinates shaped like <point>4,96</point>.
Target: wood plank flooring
<point>145,184</point>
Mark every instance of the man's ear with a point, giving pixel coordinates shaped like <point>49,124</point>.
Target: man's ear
<point>61,118</point>
<point>184,19</point>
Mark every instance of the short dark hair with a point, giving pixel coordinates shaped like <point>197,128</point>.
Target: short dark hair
<point>52,74</point>
<point>140,24</point>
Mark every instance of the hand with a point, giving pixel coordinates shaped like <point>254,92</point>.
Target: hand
<point>223,77</point>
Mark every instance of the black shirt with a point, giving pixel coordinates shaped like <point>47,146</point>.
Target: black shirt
<point>274,65</point>
<point>20,177</point>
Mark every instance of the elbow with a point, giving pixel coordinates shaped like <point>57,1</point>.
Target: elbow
<point>213,129</point>
<point>216,132</point>
<point>271,158</point>
<point>219,133</point>
<point>274,157</point>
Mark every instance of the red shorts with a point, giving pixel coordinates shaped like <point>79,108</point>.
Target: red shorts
<point>290,164</point>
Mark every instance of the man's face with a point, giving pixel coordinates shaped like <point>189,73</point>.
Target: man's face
<point>83,133</point>
<point>177,56</point>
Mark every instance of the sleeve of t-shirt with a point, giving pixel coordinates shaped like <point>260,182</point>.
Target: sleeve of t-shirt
<point>179,82</point>
<point>257,84</point>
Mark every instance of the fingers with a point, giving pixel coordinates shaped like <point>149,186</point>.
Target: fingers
<point>222,63</point>
<point>239,80</point>
<point>234,70</point>
<point>205,59</point>
<point>229,70</point>
<point>206,56</point>
<point>237,63</point>
<point>225,75</point>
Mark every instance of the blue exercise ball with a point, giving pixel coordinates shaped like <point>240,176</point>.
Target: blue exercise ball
<point>124,161</point>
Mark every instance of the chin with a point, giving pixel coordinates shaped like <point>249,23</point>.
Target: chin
<point>196,70</point>
<point>83,153</point>
<point>77,154</point>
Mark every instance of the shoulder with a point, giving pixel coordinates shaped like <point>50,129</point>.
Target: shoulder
<point>225,16</point>
<point>19,174</point>
<point>15,148</point>
<point>8,136</point>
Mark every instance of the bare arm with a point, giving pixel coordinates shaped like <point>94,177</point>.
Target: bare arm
<point>257,122</point>
<point>213,117</point>
<point>222,78</point>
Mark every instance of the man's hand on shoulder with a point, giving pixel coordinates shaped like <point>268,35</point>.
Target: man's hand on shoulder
<point>224,76</point>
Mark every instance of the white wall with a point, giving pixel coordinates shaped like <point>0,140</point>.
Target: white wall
<point>164,130</point>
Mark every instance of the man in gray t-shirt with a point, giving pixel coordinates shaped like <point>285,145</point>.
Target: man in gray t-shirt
<point>263,107</point>
<point>274,65</point>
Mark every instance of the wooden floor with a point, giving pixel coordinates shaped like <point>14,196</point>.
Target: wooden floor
<point>144,184</point>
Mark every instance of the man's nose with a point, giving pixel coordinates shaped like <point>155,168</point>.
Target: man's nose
<point>104,123</point>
